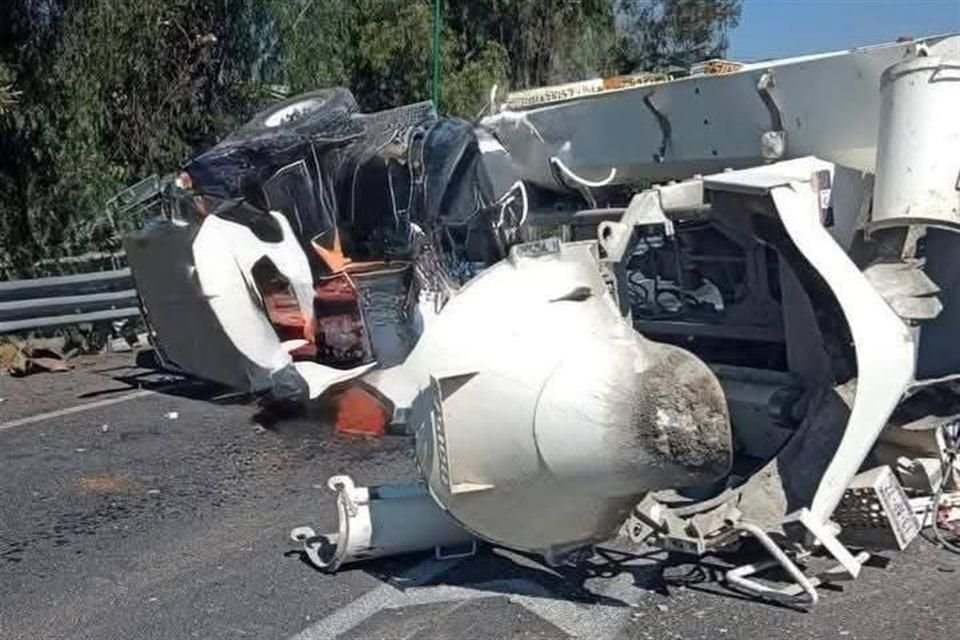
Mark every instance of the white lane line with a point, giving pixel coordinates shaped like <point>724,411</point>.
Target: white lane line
<point>593,621</point>
<point>384,596</point>
<point>22,422</point>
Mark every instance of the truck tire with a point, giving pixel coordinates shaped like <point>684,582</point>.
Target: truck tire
<point>324,110</point>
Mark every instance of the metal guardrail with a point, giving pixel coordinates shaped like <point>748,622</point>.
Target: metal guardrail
<point>65,300</point>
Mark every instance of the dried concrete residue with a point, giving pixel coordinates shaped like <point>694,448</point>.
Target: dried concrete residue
<point>790,480</point>
<point>681,414</point>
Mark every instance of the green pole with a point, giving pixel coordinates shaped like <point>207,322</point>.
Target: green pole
<point>435,85</point>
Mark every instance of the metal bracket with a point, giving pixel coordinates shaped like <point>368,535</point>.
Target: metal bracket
<point>307,537</point>
<point>827,536</point>
<point>344,487</point>
<point>804,592</point>
<point>773,143</point>
<point>449,553</point>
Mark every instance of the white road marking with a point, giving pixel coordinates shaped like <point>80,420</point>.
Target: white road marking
<point>384,596</point>
<point>596,621</point>
<point>22,422</point>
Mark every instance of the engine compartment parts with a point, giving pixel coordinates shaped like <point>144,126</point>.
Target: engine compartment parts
<point>295,245</point>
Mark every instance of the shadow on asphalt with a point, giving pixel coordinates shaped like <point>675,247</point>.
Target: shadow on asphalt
<point>511,573</point>
<point>169,384</point>
<point>495,570</point>
<point>149,374</point>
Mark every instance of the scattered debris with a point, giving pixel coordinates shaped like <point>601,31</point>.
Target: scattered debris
<point>36,355</point>
<point>122,338</point>
<point>875,512</point>
<point>119,345</point>
<point>946,514</point>
<point>9,354</point>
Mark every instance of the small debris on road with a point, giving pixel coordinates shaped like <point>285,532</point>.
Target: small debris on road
<point>79,449</point>
<point>104,428</point>
<point>662,608</point>
<point>36,355</point>
<point>103,484</point>
<point>153,492</point>
<point>119,345</point>
<point>171,415</point>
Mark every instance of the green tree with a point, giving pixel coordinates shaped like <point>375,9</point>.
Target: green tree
<point>544,42</point>
<point>381,50</point>
<point>112,91</point>
<point>8,93</point>
<point>26,38</point>
<point>95,94</point>
<point>307,43</point>
<point>665,33</point>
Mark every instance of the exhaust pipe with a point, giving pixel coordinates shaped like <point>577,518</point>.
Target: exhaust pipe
<point>389,520</point>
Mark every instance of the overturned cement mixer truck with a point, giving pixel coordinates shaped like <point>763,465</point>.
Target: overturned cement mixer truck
<point>688,309</point>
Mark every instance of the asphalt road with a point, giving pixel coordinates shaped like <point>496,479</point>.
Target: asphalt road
<point>127,514</point>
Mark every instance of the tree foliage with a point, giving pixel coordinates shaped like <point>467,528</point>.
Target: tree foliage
<point>95,94</point>
<point>111,92</point>
<point>664,33</point>
<point>546,42</point>
<point>8,93</point>
<point>381,50</point>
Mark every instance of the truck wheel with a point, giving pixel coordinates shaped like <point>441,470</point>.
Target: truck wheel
<point>305,114</point>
